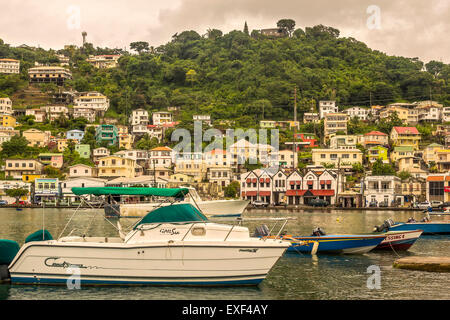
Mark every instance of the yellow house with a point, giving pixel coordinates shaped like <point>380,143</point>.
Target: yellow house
<point>402,152</point>
<point>181,178</point>
<point>30,177</point>
<point>343,158</point>
<point>37,137</point>
<point>114,167</point>
<point>429,153</point>
<point>191,164</point>
<point>7,121</point>
<point>126,141</point>
<point>405,137</point>
<point>402,113</point>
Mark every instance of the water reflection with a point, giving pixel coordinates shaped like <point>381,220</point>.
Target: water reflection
<point>295,276</point>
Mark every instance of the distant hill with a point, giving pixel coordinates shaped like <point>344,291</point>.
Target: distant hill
<point>247,77</point>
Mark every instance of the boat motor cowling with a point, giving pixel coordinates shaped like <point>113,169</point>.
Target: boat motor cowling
<point>385,226</point>
<point>317,232</point>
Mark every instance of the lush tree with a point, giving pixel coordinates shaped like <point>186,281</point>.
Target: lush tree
<point>287,25</point>
<point>382,169</point>
<point>246,28</point>
<point>16,146</point>
<point>17,193</point>
<point>232,190</point>
<point>139,46</point>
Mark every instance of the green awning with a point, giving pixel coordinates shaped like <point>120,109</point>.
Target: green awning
<point>184,212</point>
<point>158,192</point>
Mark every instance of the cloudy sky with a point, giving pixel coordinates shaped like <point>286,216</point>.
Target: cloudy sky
<point>411,28</point>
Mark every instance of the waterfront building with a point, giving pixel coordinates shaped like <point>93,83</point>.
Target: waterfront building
<point>429,153</point>
<point>414,190</point>
<point>9,66</point>
<point>405,136</point>
<point>383,189</point>
<point>191,164</point>
<point>46,190</point>
<point>446,114</point>
<point>78,182</point>
<point>161,157</point>
<point>326,107</point>
<point>438,187</point>
<point>47,74</point>
<point>13,184</point>
<point>6,106</point>
<point>219,175</point>
<point>412,165</point>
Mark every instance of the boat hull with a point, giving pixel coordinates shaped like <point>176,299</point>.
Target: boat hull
<point>336,244</point>
<point>429,228</point>
<point>176,263</point>
<point>213,208</point>
<point>399,240</point>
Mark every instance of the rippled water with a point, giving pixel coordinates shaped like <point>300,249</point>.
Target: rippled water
<point>293,277</point>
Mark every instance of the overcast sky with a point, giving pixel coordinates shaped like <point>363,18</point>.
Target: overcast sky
<point>410,28</point>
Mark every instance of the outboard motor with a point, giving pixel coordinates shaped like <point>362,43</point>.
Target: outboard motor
<point>411,220</point>
<point>261,231</point>
<point>317,232</point>
<point>385,226</point>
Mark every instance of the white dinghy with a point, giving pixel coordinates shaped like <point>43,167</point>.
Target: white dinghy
<point>172,245</point>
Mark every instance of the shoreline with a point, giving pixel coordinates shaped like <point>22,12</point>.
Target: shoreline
<point>291,208</point>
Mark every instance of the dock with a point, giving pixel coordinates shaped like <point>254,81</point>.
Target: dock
<point>424,263</point>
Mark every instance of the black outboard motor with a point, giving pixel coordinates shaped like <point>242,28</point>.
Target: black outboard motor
<point>411,220</point>
<point>261,231</point>
<point>317,232</point>
<point>384,227</point>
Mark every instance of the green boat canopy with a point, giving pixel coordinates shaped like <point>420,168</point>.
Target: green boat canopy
<point>158,192</point>
<point>184,212</point>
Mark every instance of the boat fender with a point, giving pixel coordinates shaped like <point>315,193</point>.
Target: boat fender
<point>315,247</point>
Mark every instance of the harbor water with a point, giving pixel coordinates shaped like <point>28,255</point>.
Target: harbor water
<point>295,276</point>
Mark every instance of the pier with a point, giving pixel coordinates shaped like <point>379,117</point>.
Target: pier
<point>423,263</point>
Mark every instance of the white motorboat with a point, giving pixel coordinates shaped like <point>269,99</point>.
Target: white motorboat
<point>210,208</point>
<point>172,245</point>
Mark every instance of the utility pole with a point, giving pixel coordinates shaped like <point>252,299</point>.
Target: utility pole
<point>295,129</point>
<point>370,100</point>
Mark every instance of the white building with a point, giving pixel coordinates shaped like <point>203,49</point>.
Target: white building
<point>139,117</point>
<point>92,100</point>
<point>360,113</point>
<point>9,66</point>
<point>326,107</point>
<point>161,157</point>
<point>446,114</point>
<point>84,112</point>
<point>206,119</point>
<point>81,182</point>
<point>81,170</point>
<point>162,117</point>
<point>55,112</point>
<point>6,106</point>
<point>14,184</point>
<point>100,153</point>
<point>382,189</point>
<point>38,114</point>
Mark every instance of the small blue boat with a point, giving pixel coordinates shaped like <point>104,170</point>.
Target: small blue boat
<point>429,228</point>
<point>334,244</point>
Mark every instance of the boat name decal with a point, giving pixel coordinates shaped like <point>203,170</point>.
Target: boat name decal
<point>53,263</point>
<point>248,250</point>
<point>396,237</point>
<point>169,231</point>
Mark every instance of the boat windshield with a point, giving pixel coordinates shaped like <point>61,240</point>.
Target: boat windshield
<point>175,213</point>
